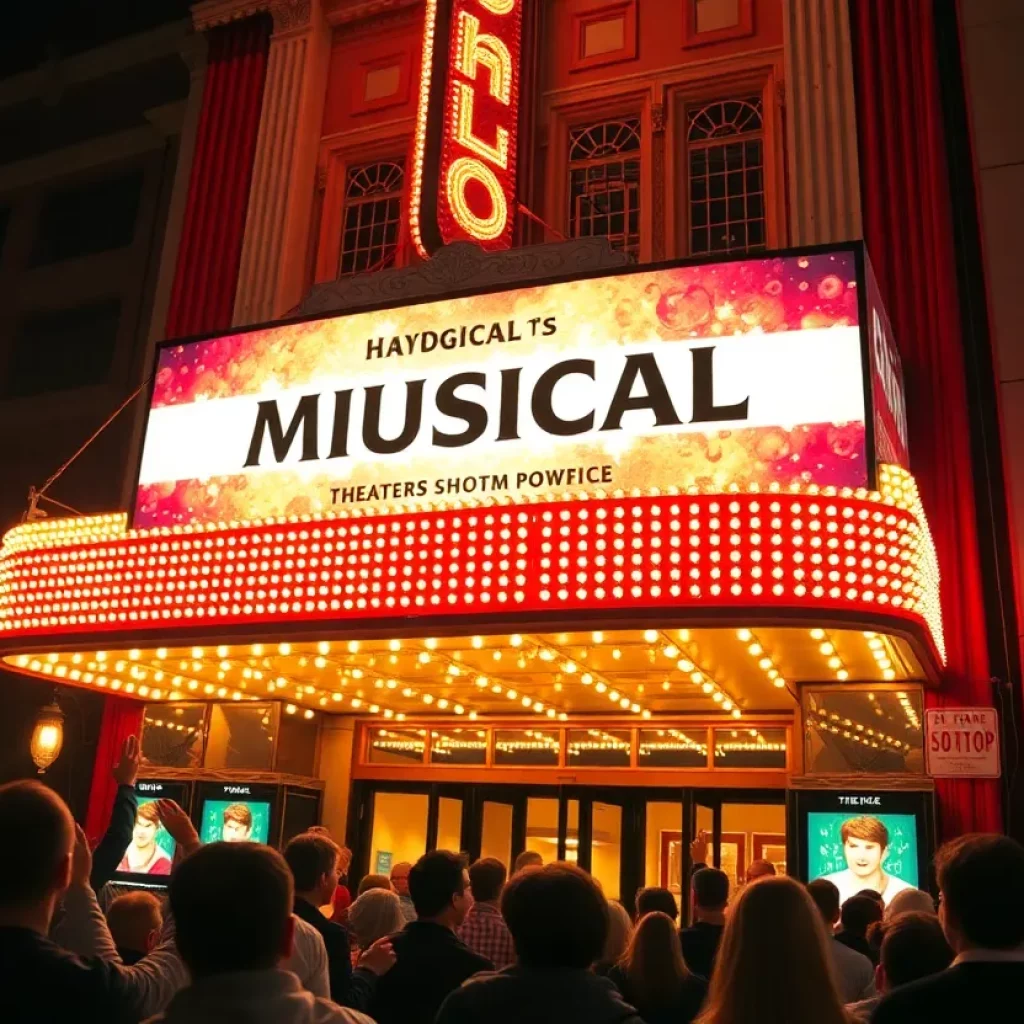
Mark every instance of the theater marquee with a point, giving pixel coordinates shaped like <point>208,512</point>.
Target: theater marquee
<point>743,373</point>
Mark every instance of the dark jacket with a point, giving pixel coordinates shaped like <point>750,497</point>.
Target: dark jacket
<point>520,995</point>
<point>700,947</point>
<point>431,962</point>
<point>111,847</point>
<point>691,998</point>
<point>973,991</point>
<point>40,983</point>
<point>859,944</point>
<point>348,987</point>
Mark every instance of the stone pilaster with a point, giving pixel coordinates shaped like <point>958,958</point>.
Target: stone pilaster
<point>272,274</point>
<point>820,119</point>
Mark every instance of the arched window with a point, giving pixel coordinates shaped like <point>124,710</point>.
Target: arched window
<point>604,183</point>
<point>725,160</point>
<point>373,214</point>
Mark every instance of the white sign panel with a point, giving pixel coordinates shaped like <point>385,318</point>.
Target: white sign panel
<point>962,743</point>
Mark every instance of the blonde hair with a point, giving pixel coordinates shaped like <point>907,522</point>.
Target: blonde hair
<point>773,965</point>
<point>654,962</point>
<point>620,931</point>
<point>378,912</point>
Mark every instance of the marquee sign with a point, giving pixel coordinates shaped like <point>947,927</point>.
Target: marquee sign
<point>464,169</point>
<point>749,372</point>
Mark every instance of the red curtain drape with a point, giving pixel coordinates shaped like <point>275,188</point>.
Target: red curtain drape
<point>206,276</point>
<point>121,718</point>
<point>909,234</point>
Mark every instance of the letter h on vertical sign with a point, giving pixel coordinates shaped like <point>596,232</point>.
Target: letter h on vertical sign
<point>464,164</point>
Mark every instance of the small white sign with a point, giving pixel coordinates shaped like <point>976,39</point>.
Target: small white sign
<point>962,743</point>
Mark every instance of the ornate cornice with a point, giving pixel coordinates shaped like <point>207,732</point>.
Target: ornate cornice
<point>209,14</point>
<point>291,14</point>
<point>347,12</point>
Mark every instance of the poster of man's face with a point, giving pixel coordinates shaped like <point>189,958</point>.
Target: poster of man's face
<point>237,826</point>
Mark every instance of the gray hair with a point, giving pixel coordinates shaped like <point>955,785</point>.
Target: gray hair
<point>909,899</point>
<point>378,912</point>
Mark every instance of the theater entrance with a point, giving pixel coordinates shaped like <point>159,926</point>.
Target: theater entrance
<point>627,837</point>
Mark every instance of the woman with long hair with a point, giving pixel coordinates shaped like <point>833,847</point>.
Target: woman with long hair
<point>653,976</point>
<point>620,930</point>
<point>773,964</point>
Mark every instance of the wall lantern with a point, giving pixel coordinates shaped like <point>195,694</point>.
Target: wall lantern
<point>47,736</point>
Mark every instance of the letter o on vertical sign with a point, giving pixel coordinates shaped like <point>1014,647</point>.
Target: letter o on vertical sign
<point>464,161</point>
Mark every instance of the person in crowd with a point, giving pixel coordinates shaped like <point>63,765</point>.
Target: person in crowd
<point>874,894</point>
<point>620,931</point>
<point>855,973</point>
<point>773,964</point>
<point>760,869</point>
<point>856,917</point>
<point>135,919</point>
<point>710,888</point>
<point>41,982</point>
<point>484,931</point>
<point>558,918</point>
<point>432,960</point>
<point>527,859</point>
<point>912,946</point>
<point>865,847</point>
<point>655,898</point>
<point>374,882</point>
<point>981,907</point>
<point>653,976</point>
<point>237,825</point>
<point>400,883</point>
<point>144,855</point>
<point>342,898</point>
<point>909,899</point>
<point>374,915</point>
<point>232,905</point>
<point>110,849</point>
<point>314,860</point>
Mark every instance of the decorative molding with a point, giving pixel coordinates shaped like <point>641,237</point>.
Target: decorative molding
<point>321,178</point>
<point>856,780</point>
<point>658,188</point>
<point>263,778</point>
<point>459,266</point>
<point>658,118</point>
<point>209,14</point>
<point>347,12</point>
<point>289,15</point>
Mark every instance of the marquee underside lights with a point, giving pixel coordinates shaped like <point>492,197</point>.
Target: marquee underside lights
<point>464,165</point>
<point>815,553</point>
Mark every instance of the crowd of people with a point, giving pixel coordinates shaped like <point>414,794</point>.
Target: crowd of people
<point>247,934</point>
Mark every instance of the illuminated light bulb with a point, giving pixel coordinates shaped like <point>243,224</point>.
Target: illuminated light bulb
<point>671,652</point>
<point>600,687</point>
<point>197,653</point>
<point>478,642</point>
<point>765,663</point>
<point>597,637</point>
<point>586,679</point>
<point>736,713</point>
<point>431,643</point>
<point>778,682</point>
<point>624,703</point>
<point>353,647</point>
<point>290,709</point>
<point>754,650</point>
<point>834,662</point>
<point>527,701</point>
<point>284,649</point>
<point>423,657</point>
<point>613,694</point>
<point>511,694</point>
<point>842,675</point>
<point>827,649</point>
<point>547,655</point>
<point>428,698</point>
<point>817,634</point>
<point>222,651</point>
<point>650,635</point>
<point>717,697</point>
<point>161,653</point>
<point>744,635</point>
<point>707,688</point>
<point>515,640</point>
<point>616,653</point>
<point>570,667</point>
<point>442,703</point>
<point>394,645</point>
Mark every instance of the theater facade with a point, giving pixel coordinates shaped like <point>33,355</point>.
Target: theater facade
<point>544,486</point>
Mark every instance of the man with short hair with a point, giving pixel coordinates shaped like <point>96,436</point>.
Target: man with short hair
<point>400,883</point>
<point>912,947</point>
<point>316,863</point>
<point>854,971</point>
<point>484,931</point>
<point>45,857</point>
<point>432,960</point>
<point>710,889</point>
<point>135,919</point>
<point>558,918</point>
<point>856,916</point>
<point>655,898</point>
<point>981,908</point>
<point>237,826</point>
<point>232,904</point>
<point>527,859</point>
<point>760,868</point>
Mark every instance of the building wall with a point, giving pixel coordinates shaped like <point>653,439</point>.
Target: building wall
<point>993,37</point>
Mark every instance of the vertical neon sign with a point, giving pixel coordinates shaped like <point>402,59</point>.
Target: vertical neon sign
<point>464,166</point>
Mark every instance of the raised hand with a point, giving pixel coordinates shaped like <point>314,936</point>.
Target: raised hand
<point>178,824</point>
<point>127,768</point>
<point>81,859</point>
<point>379,957</point>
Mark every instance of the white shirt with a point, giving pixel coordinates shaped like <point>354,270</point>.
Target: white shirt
<point>849,885</point>
<point>309,959</point>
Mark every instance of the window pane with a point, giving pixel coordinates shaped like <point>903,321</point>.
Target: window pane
<point>396,746</point>
<point>458,746</point>
<point>863,730</point>
<point>664,847</point>
<point>372,216</point>
<point>606,847</point>
<point>749,748</point>
<point>241,736</point>
<point>496,837</point>
<point>529,746</point>
<point>542,827</point>
<point>449,824</point>
<point>399,829</point>
<point>172,735</point>
<point>597,748</point>
<point>674,748</point>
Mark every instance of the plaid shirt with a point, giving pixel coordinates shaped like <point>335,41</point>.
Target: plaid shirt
<point>486,933</point>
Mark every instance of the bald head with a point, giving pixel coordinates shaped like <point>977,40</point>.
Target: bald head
<point>760,869</point>
<point>35,852</point>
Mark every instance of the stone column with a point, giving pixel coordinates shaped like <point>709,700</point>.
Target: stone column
<point>821,127</point>
<point>271,278</point>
